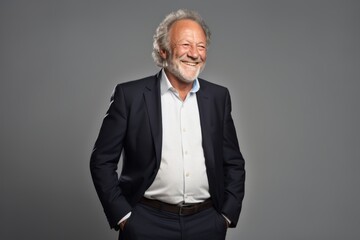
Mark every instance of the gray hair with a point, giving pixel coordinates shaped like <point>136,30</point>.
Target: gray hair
<point>161,36</point>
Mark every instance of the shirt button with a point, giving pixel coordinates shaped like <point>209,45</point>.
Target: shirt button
<point>187,174</point>
<point>184,130</point>
<point>186,152</point>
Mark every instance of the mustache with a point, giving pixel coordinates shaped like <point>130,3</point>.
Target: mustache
<point>191,60</point>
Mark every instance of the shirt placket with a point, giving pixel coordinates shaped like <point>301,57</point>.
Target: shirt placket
<point>186,148</point>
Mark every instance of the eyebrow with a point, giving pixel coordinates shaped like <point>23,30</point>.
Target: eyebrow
<point>188,41</point>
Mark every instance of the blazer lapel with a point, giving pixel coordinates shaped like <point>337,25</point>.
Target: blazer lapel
<point>206,121</point>
<point>206,125</point>
<point>153,105</point>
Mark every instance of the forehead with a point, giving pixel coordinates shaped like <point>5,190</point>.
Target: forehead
<point>187,28</point>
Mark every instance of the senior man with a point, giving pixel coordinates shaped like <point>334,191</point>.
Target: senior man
<point>183,173</point>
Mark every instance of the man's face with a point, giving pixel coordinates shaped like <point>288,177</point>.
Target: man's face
<point>187,50</point>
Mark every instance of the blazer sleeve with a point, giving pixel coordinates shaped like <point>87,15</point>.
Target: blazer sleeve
<point>234,168</point>
<point>105,157</point>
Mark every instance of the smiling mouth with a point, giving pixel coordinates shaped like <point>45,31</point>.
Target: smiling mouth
<point>193,64</point>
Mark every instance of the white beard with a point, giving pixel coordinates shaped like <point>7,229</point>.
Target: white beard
<point>180,72</point>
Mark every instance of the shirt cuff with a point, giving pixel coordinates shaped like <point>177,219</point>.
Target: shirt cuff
<point>124,218</point>
<point>228,220</point>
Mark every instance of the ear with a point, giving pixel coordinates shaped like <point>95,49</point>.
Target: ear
<point>163,54</point>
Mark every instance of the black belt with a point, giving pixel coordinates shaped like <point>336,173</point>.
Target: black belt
<point>181,209</point>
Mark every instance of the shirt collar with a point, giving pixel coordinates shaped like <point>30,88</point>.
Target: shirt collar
<point>165,84</point>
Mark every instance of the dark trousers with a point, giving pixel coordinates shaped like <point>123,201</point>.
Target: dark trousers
<point>147,223</point>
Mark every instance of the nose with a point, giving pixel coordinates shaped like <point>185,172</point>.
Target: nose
<point>193,52</point>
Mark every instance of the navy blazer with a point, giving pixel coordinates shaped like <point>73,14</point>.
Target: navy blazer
<point>133,124</point>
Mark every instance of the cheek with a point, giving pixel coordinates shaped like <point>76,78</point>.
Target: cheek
<point>203,56</point>
<point>180,54</point>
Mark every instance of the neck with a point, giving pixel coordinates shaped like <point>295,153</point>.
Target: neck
<point>182,87</point>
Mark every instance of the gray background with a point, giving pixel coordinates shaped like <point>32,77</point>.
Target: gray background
<point>292,68</point>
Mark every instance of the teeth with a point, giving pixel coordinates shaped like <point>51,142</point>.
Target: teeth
<point>190,63</point>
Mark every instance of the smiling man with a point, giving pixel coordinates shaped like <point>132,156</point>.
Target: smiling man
<point>187,54</point>
<point>183,173</point>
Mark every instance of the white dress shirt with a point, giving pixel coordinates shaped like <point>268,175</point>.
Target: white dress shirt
<point>182,174</point>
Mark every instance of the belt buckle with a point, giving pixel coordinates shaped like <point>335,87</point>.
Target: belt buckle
<point>181,207</point>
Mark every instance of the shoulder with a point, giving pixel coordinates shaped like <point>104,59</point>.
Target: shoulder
<point>138,84</point>
<point>212,88</point>
<point>132,91</point>
<point>133,88</point>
